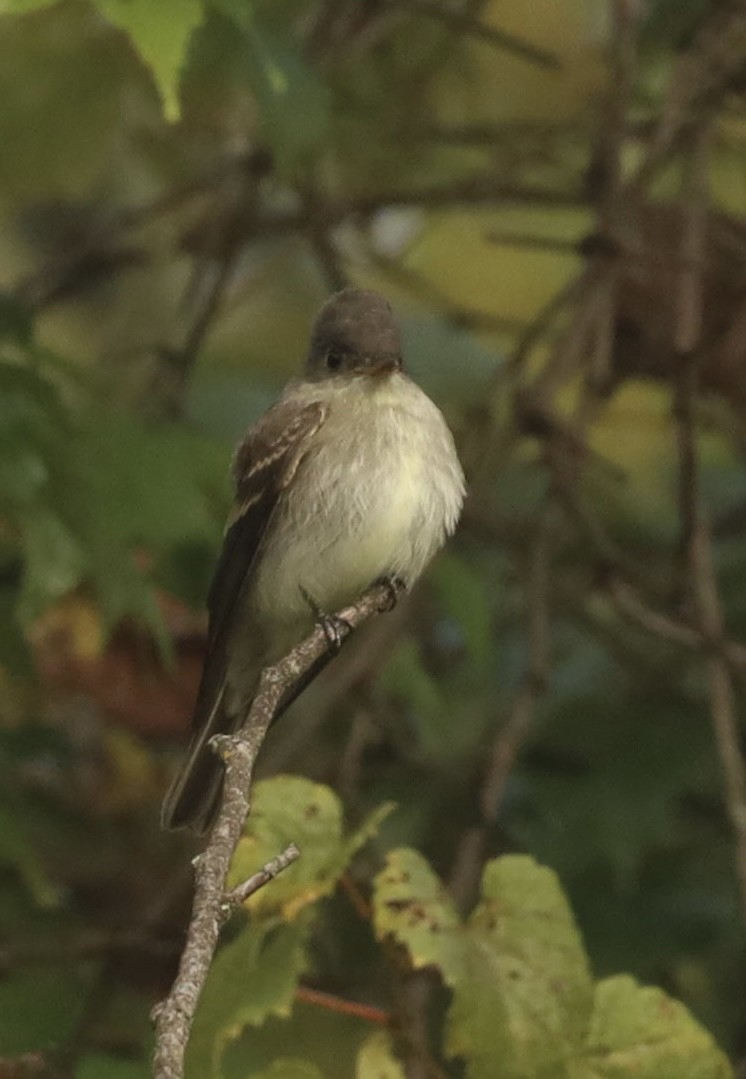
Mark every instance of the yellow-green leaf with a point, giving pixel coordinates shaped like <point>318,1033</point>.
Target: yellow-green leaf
<point>160,31</point>
<point>411,905</point>
<point>252,978</point>
<point>524,1001</point>
<point>376,1058</point>
<point>291,809</point>
<point>640,1033</point>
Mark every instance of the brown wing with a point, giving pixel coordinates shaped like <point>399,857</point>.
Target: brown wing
<point>263,466</point>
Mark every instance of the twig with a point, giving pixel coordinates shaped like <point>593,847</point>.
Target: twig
<point>696,546</point>
<point>367,1012</point>
<point>491,35</point>
<point>238,895</point>
<point>558,245</point>
<point>322,245</point>
<point>111,251</point>
<point>700,79</point>
<point>630,603</point>
<point>211,905</point>
<point>363,661</point>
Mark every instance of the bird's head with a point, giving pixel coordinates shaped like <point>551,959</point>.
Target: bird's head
<point>355,332</point>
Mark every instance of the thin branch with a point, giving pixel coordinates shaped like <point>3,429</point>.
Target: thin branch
<point>465,23</point>
<point>469,318</point>
<point>632,605</point>
<point>696,545</point>
<point>367,1012</point>
<point>202,299</point>
<point>554,244</point>
<point>701,78</point>
<point>211,907</point>
<point>238,895</point>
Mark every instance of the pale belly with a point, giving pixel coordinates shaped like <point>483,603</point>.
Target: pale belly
<point>349,541</point>
<point>376,496</point>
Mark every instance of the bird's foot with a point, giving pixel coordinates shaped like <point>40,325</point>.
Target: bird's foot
<point>395,588</point>
<point>335,628</point>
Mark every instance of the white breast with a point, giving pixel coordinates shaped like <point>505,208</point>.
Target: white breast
<point>378,493</point>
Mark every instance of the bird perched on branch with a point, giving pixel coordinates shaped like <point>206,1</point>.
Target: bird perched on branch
<point>352,476</point>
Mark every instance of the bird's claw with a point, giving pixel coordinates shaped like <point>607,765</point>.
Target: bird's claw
<point>335,628</point>
<point>395,587</point>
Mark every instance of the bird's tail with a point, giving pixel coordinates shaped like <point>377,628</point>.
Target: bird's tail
<point>193,798</point>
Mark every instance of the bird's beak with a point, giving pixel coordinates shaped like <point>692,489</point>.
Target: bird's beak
<point>383,367</point>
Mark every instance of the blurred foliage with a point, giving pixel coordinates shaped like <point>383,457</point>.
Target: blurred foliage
<point>181,185</point>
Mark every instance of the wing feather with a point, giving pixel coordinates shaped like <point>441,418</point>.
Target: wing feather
<point>263,466</point>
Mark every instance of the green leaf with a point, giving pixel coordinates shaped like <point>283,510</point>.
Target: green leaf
<point>54,563</point>
<point>15,654</point>
<point>150,486</point>
<point>16,319</point>
<point>524,1002</point>
<point>129,486</point>
<point>96,1066</point>
<point>160,31</point>
<point>64,133</point>
<point>252,978</point>
<point>411,905</point>
<point>289,809</point>
<point>376,1059</point>
<point>17,851</point>
<point>288,1069</point>
<point>294,103</point>
<point>640,1033</point>
<point>38,1008</point>
<point>20,7</point>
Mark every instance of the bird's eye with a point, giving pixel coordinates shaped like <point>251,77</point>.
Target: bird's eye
<point>333,361</point>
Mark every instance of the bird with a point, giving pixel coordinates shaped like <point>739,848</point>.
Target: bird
<point>351,477</point>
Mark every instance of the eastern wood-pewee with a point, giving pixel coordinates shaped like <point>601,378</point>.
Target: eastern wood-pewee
<point>350,477</point>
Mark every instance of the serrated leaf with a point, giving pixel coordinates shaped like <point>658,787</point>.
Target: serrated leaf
<point>376,1058</point>
<point>524,1003</point>
<point>289,809</point>
<point>253,977</point>
<point>411,905</point>
<point>160,31</point>
<point>523,914</point>
<point>640,1033</point>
